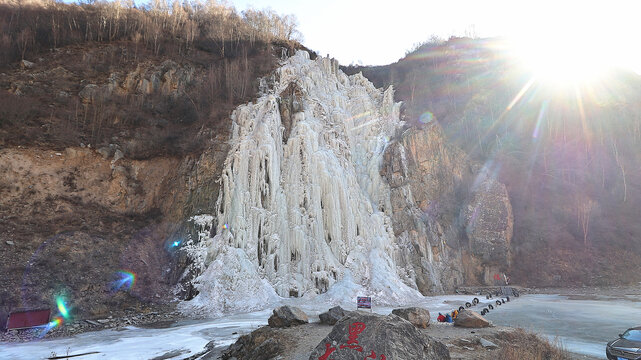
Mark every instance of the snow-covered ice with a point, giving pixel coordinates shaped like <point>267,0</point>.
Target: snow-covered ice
<point>582,326</point>
<point>140,343</point>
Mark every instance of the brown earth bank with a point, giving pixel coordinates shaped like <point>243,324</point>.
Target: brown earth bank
<point>70,220</point>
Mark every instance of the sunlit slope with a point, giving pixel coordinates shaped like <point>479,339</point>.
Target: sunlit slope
<point>568,151</point>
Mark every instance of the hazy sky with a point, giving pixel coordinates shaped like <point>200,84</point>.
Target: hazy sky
<point>379,32</point>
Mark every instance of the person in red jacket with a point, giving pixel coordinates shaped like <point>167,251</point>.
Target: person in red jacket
<point>440,318</point>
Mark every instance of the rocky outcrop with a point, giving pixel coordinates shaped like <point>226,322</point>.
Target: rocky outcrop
<point>470,319</point>
<point>25,64</point>
<point>90,93</point>
<point>424,174</point>
<point>166,78</point>
<point>419,317</point>
<point>488,344</point>
<point>286,316</point>
<point>332,315</point>
<point>454,223</point>
<point>360,335</point>
<point>488,224</point>
<point>290,103</point>
<point>264,343</point>
<point>423,160</point>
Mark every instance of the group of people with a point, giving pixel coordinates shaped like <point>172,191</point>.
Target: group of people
<point>447,317</point>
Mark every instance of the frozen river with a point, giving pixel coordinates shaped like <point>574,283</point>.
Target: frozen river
<point>583,325</point>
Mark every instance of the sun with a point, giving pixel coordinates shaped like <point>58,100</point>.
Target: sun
<point>563,60</point>
<point>575,42</point>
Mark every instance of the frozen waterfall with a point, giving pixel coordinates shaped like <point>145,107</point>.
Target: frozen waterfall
<point>302,205</point>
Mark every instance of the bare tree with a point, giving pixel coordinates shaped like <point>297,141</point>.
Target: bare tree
<point>25,40</point>
<point>585,206</point>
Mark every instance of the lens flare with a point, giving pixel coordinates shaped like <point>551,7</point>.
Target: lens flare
<point>126,279</point>
<point>539,119</point>
<point>359,116</point>
<point>225,226</point>
<point>56,322</point>
<point>62,308</point>
<point>426,117</point>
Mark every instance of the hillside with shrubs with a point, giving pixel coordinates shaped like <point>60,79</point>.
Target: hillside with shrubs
<point>90,72</point>
<point>569,156</point>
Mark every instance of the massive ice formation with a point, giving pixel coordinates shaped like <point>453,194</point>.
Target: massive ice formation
<point>302,203</point>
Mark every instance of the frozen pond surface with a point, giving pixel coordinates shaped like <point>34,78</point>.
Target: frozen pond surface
<point>582,325</point>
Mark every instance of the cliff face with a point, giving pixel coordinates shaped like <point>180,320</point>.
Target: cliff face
<point>424,174</point>
<point>456,223</point>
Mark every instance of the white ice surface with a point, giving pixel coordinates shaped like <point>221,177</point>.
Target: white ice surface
<point>583,326</point>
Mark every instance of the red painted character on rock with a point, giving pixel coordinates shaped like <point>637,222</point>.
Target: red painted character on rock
<point>352,343</point>
<point>328,351</point>
<point>373,356</point>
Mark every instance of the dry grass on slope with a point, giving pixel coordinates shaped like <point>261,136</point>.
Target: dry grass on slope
<point>529,346</point>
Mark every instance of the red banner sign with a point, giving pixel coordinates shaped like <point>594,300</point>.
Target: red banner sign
<point>363,302</point>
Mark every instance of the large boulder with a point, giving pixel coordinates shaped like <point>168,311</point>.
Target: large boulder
<point>286,316</point>
<point>470,319</point>
<point>92,93</point>
<point>26,64</point>
<point>333,315</point>
<point>359,335</point>
<point>419,317</point>
<point>261,344</point>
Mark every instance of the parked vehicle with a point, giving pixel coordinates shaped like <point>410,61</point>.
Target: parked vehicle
<point>626,347</point>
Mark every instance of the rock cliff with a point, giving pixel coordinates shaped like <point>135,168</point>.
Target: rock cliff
<point>454,221</point>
